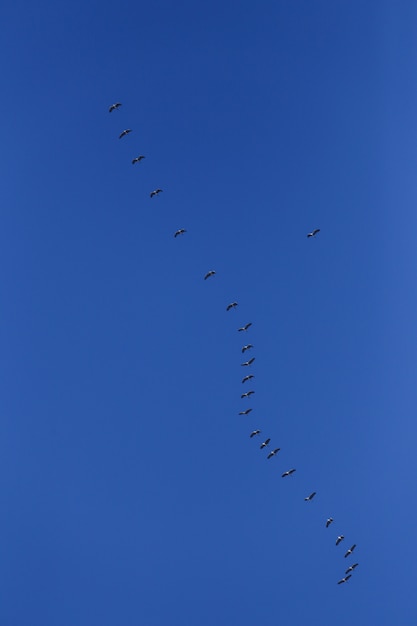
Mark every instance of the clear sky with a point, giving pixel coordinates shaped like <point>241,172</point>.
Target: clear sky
<point>131,491</point>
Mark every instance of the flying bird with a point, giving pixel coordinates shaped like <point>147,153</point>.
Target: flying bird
<point>245,412</point>
<point>273,453</point>
<point>247,347</point>
<point>138,159</point>
<point>265,443</point>
<point>115,106</point>
<point>248,362</point>
<point>339,539</point>
<point>245,327</point>
<point>288,473</point>
<point>351,568</point>
<point>329,520</point>
<point>254,432</point>
<point>155,192</point>
<point>313,232</point>
<point>125,132</point>
<point>247,394</point>
<point>344,580</point>
<point>232,305</point>
<point>310,497</point>
<point>248,377</point>
<point>351,549</point>
<point>210,273</point>
<point>180,231</point>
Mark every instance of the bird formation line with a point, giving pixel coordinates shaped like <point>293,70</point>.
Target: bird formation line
<point>233,306</point>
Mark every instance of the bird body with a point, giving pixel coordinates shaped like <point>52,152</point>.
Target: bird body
<point>339,539</point>
<point>313,232</point>
<point>115,106</point>
<point>351,549</point>
<point>180,231</point>
<point>344,580</point>
<point>155,192</point>
<point>232,305</point>
<point>246,363</point>
<point>329,521</point>
<point>245,327</point>
<point>288,473</point>
<point>210,273</point>
<point>138,159</point>
<point>310,497</point>
<point>273,453</point>
<point>125,132</point>
<point>247,394</point>
<point>248,377</point>
<point>265,443</point>
<point>254,433</point>
<point>351,568</point>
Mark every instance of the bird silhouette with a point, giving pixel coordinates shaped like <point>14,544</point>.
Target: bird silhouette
<point>232,305</point>
<point>125,132</point>
<point>245,412</point>
<point>138,159</point>
<point>310,497</point>
<point>351,549</point>
<point>351,568</point>
<point>245,327</point>
<point>329,521</point>
<point>265,443</point>
<point>273,453</point>
<point>254,432</point>
<point>344,580</point>
<point>246,363</point>
<point>115,106</point>
<point>180,231</point>
<point>210,273</point>
<point>339,539</point>
<point>288,473</point>
<point>155,192</point>
<point>248,377</point>
<point>313,232</point>
<point>247,394</point>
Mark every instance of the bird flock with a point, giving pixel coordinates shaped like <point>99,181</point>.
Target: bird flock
<point>248,394</point>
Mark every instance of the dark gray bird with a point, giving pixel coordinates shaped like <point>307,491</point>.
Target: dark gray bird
<point>339,539</point>
<point>210,273</point>
<point>115,106</point>
<point>344,580</point>
<point>232,305</point>
<point>288,473</point>
<point>310,497</point>
<point>125,132</point>
<point>247,394</point>
<point>329,520</point>
<point>155,192</point>
<point>351,568</point>
<point>265,443</point>
<point>273,453</point>
<point>254,432</point>
<point>180,231</point>
<point>245,327</point>
<point>351,549</point>
<point>247,347</point>
<point>245,412</point>
<point>138,159</point>
<point>248,377</point>
<point>313,232</point>
<point>248,362</point>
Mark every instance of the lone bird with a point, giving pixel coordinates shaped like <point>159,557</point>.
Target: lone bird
<point>232,305</point>
<point>245,327</point>
<point>339,539</point>
<point>288,473</point>
<point>247,394</point>
<point>265,443</point>
<point>329,520</point>
<point>155,192</point>
<point>344,580</point>
<point>273,453</point>
<point>115,106</point>
<point>247,347</point>
<point>254,433</point>
<point>313,232</point>
<point>125,132</point>
<point>180,231</point>
<point>245,412</point>
<point>138,159</point>
<point>248,362</point>
<point>210,273</point>
<point>351,568</point>
<point>248,377</point>
<point>310,497</point>
<point>351,549</point>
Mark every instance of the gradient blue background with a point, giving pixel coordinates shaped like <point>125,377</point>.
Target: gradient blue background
<point>130,490</point>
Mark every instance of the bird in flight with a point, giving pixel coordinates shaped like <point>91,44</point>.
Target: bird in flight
<point>248,362</point>
<point>310,497</point>
<point>155,192</point>
<point>344,580</point>
<point>245,412</point>
<point>245,327</point>
<point>265,443</point>
<point>288,473</point>
<point>339,539</point>
<point>313,232</point>
<point>351,568</point>
<point>273,453</point>
<point>248,377</point>
<point>329,520</point>
<point>351,549</point>
<point>232,305</point>
<point>125,132</point>
<point>115,106</point>
<point>138,159</point>
<point>254,433</point>
<point>247,394</point>
<point>247,347</point>
<point>210,273</point>
<point>180,231</point>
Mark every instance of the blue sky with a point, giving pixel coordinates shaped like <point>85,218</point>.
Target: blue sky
<point>131,491</point>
